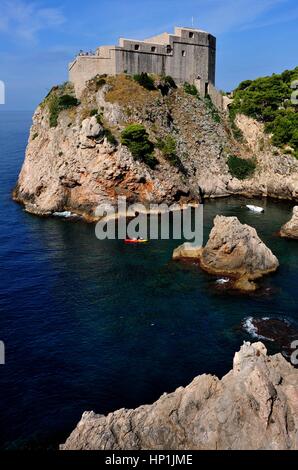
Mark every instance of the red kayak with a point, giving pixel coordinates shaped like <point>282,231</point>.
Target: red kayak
<point>129,241</point>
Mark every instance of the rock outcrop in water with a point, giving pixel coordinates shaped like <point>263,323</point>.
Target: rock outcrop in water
<point>74,159</point>
<point>187,251</point>
<point>255,406</point>
<point>290,229</point>
<point>234,250</point>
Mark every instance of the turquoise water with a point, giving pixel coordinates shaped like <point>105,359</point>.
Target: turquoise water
<point>92,325</point>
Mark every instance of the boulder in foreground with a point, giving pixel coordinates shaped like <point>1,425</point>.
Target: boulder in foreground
<point>255,406</point>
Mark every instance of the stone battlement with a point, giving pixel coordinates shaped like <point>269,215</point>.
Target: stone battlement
<point>188,55</point>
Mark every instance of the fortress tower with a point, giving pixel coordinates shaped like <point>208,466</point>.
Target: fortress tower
<point>188,55</point>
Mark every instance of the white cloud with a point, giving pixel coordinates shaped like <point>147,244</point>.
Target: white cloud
<point>25,19</point>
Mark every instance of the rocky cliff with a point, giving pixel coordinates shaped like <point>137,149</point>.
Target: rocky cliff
<point>75,161</point>
<point>255,406</point>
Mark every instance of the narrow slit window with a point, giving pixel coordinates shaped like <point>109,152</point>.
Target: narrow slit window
<point>191,35</point>
<point>183,53</point>
<point>153,49</point>
<point>169,49</point>
<point>137,47</point>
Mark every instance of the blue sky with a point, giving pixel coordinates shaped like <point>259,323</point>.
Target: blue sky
<point>39,38</point>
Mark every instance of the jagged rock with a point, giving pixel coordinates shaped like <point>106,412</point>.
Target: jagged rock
<point>91,128</point>
<point>187,250</point>
<point>235,250</point>
<point>290,229</point>
<point>255,406</point>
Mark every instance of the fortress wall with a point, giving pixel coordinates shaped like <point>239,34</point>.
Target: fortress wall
<point>216,97</point>
<point>133,62</point>
<point>84,68</point>
<point>191,57</point>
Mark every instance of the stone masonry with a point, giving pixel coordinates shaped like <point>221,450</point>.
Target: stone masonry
<point>188,55</point>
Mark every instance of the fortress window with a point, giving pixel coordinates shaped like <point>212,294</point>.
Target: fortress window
<point>137,47</point>
<point>183,53</point>
<point>153,49</point>
<point>169,49</point>
<point>191,35</point>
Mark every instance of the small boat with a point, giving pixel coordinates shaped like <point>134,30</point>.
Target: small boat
<point>129,241</point>
<point>255,208</point>
<point>224,280</point>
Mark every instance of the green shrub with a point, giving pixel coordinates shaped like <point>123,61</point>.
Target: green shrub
<point>136,138</point>
<point>241,168</point>
<point>100,82</point>
<point>145,81</point>
<point>190,89</point>
<point>35,135</point>
<point>58,103</point>
<point>67,101</point>
<point>166,84</point>
<point>54,110</point>
<point>168,147</point>
<point>170,82</point>
<point>93,112</point>
<point>110,137</point>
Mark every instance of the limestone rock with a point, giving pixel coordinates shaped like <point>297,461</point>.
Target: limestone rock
<point>290,229</point>
<point>187,250</point>
<point>73,167</point>
<point>255,406</point>
<point>235,250</point>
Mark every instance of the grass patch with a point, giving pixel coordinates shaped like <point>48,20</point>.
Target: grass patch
<point>127,93</point>
<point>136,138</point>
<point>241,168</point>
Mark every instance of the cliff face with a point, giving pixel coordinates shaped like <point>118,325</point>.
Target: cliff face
<point>255,406</point>
<point>74,165</point>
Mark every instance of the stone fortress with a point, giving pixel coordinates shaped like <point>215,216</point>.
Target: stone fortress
<point>188,55</point>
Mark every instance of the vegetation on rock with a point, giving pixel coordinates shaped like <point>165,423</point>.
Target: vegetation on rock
<point>145,81</point>
<point>168,147</point>
<point>57,101</point>
<point>190,89</point>
<point>136,138</point>
<point>213,110</point>
<point>241,168</point>
<point>268,99</point>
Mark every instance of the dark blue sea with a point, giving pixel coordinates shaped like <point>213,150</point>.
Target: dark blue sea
<point>92,325</point>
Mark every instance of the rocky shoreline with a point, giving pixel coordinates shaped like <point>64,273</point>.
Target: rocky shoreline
<point>253,407</point>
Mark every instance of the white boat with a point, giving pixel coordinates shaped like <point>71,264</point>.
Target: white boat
<point>224,280</point>
<point>255,208</point>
